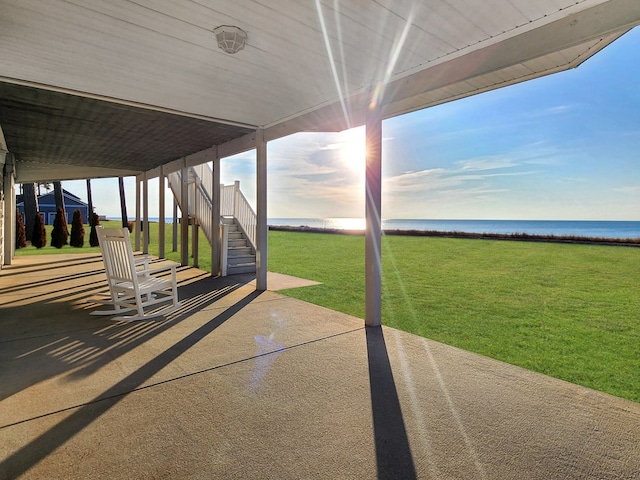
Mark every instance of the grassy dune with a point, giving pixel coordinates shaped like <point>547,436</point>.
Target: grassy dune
<point>565,310</point>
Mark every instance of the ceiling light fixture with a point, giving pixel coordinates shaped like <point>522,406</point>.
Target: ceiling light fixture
<point>230,39</point>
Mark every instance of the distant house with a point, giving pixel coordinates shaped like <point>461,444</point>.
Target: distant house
<point>47,207</point>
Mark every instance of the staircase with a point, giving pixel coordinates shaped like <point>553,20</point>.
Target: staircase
<point>241,257</point>
<point>238,220</point>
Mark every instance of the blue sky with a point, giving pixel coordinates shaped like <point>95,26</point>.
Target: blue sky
<point>564,147</point>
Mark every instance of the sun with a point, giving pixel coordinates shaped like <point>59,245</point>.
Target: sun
<point>352,150</point>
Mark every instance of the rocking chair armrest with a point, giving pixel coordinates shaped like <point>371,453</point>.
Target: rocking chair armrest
<point>162,268</point>
<point>142,259</point>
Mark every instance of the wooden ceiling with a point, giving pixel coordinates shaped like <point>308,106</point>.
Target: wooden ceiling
<point>95,88</point>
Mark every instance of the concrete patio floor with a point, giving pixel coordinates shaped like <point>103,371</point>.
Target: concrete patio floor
<point>241,384</point>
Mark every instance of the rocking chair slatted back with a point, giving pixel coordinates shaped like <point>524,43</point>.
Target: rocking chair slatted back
<point>117,252</point>
<point>132,284</point>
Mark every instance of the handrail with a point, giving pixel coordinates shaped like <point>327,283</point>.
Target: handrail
<point>203,212</point>
<point>246,217</point>
<point>224,248</point>
<point>200,197</point>
<point>176,186</point>
<point>233,203</point>
<point>227,203</point>
<point>204,173</point>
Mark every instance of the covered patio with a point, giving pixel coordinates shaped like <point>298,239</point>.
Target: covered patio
<point>246,384</point>
<point>146,90</point>
<point>243,382</point>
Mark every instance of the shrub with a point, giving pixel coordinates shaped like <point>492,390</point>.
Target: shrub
<point>39,235</point>
<point>21,232</point>
<point>93,235</point>
<point>77,230</point>
<point>60,233</point>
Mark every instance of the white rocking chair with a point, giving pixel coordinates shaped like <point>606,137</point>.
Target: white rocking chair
<point>132,283</point>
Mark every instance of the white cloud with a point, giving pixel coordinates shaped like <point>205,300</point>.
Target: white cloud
<point>628,189</point>
<point>486,163</point>
<point>551,111</point>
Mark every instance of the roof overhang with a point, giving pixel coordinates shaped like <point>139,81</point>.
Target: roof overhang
<point>94,91</point>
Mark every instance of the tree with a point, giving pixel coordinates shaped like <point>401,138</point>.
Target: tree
<point>58,194</point>
<point>39,237</point>
<point>60,233</point>
<point>21,232</point>
<point>46,185</point>
<point>77,230</point>
<point>123,204</point>
<point>30,206</point>
<point>93,235</point>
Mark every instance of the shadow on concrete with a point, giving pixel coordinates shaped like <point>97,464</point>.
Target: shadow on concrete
<point>49,336</point>
<point>32,453</point>
<point>65,260</point>
<point>393,452</point>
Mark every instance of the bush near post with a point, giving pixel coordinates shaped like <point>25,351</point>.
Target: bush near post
<point>39,236</point>
<point>77,230</point>
<point>60,233</point>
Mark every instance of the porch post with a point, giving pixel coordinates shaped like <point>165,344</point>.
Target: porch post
<point>9,239</point>
<point>373,231</point>
<point>161,223</point>
<point>145,213</point>
<point>215,216</point>
<point>136,227</point>
<point>261,201</point>
<point>194,231</point>
<point>174,246</point>
<point>184,220</point>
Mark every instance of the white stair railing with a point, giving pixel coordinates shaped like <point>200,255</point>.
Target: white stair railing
<point>175,184</point>
<point>204,173</point>
<point>224,249</point>
<point>203,208</point>
<point>227,200</point>
<point>232,204</point>
<point>246,217</point>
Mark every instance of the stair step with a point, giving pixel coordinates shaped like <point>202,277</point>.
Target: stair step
<point>241,242</point>
<point>241,268</point>
<point>235,235</point>
<point>241,259</point>
<point>239,250</point>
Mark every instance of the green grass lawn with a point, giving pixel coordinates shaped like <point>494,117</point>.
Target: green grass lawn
<point>569,311</point>
<point>566,310</point>
<point>48,249</point>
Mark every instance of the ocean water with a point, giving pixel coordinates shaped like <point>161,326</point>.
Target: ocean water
<point>580,228</point>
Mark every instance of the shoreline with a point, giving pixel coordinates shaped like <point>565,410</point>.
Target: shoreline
<point>522,237</point>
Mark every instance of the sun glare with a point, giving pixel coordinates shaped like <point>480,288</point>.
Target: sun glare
<point>352,150</point>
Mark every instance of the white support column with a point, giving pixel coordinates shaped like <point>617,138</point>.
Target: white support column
<point>136,227</point>
<point>215,216</point>
<point>3,154</point>
<point>261,207</point>
<point>174,226</point>
<point>9,209</point>
<point>195,248</point>
<point>145,213</point>
<point>184,221</point>
<point>161,215</point>
<point>373,206</point>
